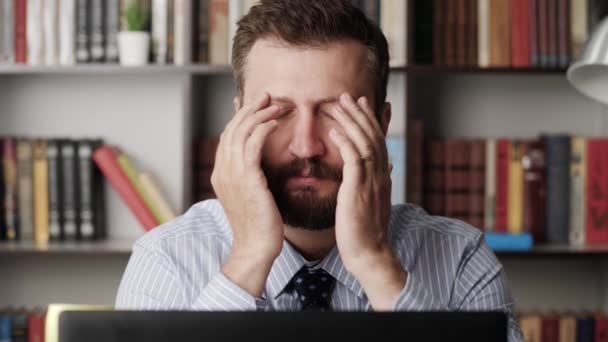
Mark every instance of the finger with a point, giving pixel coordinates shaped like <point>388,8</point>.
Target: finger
<point>365,120</point>
<point>255,143</point>
<point>258,103</point>
<point>366,107</point>
<point>350,156</point>
<point>352,129</point>
<point>247,126</point>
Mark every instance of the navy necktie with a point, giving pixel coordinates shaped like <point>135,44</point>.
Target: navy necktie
<point>314,288</point>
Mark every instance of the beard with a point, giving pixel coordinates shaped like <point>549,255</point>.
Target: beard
<point>304,207</point>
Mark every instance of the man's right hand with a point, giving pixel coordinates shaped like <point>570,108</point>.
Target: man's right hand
<point>241,187</point>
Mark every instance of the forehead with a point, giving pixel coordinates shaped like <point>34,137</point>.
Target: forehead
<point>286,70</point>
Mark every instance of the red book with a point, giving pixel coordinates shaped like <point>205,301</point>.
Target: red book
<point>520,33</point>
<point>477,185</point>
<point>502,184</point>
<point>601,329</point>
<point>105,158</point>
<point>457,178</point>
<point>549,330</point>
<point>597,191</point>
<point>35,327</point>
<point>533,163</point>
<point>20,31</point>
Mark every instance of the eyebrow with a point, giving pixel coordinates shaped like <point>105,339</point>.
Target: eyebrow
<point>288,100</point>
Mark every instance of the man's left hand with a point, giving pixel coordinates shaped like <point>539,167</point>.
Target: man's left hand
<point>363,208</point>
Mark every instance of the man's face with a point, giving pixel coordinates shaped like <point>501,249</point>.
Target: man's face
<point>302,165</point>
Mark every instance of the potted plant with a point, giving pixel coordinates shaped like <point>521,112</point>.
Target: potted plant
<point>134,43</point>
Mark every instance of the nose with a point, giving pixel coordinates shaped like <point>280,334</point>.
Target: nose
<point>306,139</point>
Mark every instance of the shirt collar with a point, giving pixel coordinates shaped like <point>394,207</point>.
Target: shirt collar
<point>289,262</point>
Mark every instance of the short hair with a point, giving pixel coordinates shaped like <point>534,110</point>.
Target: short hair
<point>313,23</point>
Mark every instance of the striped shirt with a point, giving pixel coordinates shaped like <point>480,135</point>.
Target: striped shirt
<point>176,266</point>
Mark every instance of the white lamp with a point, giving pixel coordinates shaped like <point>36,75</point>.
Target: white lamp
<point>589,74</point>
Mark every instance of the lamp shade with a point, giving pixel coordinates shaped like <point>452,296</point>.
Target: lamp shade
<point>589,75</point>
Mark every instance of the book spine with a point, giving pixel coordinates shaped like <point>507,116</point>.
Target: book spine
<point>55,192</point>
<point>558,188</point>
<point>112,26</point>
<point>457,176</point>
<point>3,228</point>
<point>552,31</point>
<point>83,54</point>
<point>9,162</point>
<point>7,32</point>
<point>597,191</point>
<point>25,186</point>
<point>601,328</point>
<point>461,32</point>
<point>472,34</point>
<point>563,34</point>
<point>67,32</point>
<point>533,163</point>
<point>533,33</point>
<point>393,21</point>
<point>567,328</point>
<point>87,227</point>
<point>434,182</point>
<point>99,202</point>
<point>578,162</point>
<point>502,184</point>
<point>484,33</point>
<point>151,187</point>
<point>51,31</point>
<point>160,18</point>
<point>21,31</point>
<point>520,37</point>
<point>35,38</point>
<point>132,174</point>
<point>105,158</point>
<point>490,189</point>
<point>438,32</point>
<point>578,27</point>
<point>516,184</point>
<point>67,150</point>
<point>41,193</point>
<point>500,33</point>
<point>450,33</point>
<point>35,327</point>
<point>235,11</point>
<point>202,32</point>
<point>477,183</point>
<point>550,328</point>
<point>96,32</point>
<point>218,31</point>
<point>543,33</point>
<point>585,328</point>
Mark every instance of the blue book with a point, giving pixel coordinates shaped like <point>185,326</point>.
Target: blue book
<point>6,330</point>
<point>500,242</point>
<point>585,329</point>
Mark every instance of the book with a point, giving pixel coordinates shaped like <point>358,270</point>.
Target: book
<point>490,189</point>
<point>438,31</point>
<point>483,36</point>
<point>25,189</point>
<point>105,158</point>
<point>558,188</point>
<point>200,42</point>
<point>129,169</point>
<point>35,327</point>
<point>578,175</point>
<point>563,33</point>
<point>457,176</point>
<point>182,32</point>
<point>414,162</point>
<point>69,181</point>
<point>2,195</point>
<point>543,33</point>
<point>112,26</point>
<point>96,30</point>
<point>393,21</point>
<point>218,31</point>
<point>549,328</point>
<point>83,54</point>
<point>50,25</point>
<point>516,188</point>
<point>150,186</point>
<point>236,9</point>
<point>597,191</point>
<point>567,328</point>
<point>500,33</point>
<point>533,163</point>
<point>35,33</point>
<point>55,192</point>
<point>533,34</point>
<point>520,37</point>
<point>601,328</point>
<point>477,183</point>
<point>91,201</point>
<point>552,33</point>
<point>67,32</point>
<point>502,184</point>
<point>578,27</point>
<point>506,242</point>
<point>472,35</point>
<point>160,19</point>
<point>434,180</point>
<point>20,31</point>
<point>41,193</point>
<point>9,165</point>
<point>531,326</point>
<point>585,329</point>
<point>7,32</point>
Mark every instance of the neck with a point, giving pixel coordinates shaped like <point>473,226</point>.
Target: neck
<point>312,244</point>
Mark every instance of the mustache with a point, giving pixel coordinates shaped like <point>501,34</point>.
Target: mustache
<point>315,167</point>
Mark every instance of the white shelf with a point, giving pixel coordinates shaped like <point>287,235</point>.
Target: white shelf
<point>95,248</point>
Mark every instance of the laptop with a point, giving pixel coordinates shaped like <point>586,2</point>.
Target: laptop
<point>152,326</point>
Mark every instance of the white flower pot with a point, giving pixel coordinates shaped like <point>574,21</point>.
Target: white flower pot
<point>133,48</point>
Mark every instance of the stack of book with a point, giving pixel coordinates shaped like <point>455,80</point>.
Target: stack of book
<point>50,190</point>
<point>139,190</point>
<point>554,187</point>
<point>566,327</point>
<point>22,324</point>
<point>503,33</point>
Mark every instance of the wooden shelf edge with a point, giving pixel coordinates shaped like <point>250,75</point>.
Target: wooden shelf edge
<point>96,248</point>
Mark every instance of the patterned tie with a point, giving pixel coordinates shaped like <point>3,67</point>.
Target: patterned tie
<point>314,288</point>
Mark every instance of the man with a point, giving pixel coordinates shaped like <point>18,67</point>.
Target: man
<point>303,218</point>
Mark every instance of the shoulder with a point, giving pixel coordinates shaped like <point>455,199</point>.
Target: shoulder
<point>204,220</point>
<point>412,228</point>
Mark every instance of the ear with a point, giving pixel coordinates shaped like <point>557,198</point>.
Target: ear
<point>385,117</point>
<point>237,103</point>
